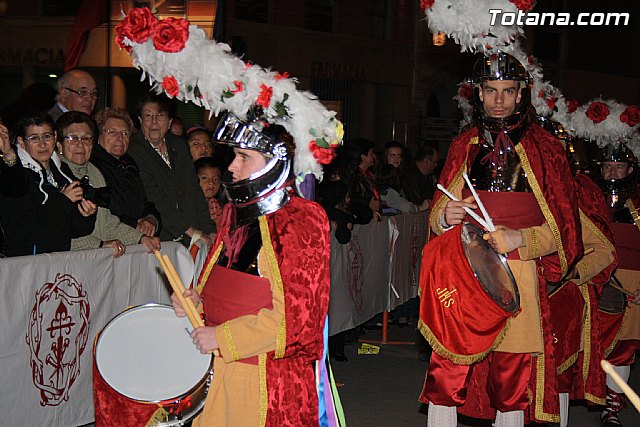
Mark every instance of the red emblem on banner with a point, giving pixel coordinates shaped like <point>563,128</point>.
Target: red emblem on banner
<point>57,336</point>
<point>356,276</point>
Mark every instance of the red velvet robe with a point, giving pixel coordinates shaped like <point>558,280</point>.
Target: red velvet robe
<point>587,378</point>
<point>552,184</point>
<point>298,248</point>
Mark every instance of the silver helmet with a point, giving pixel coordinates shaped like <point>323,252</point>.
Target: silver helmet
<point>501,66</point>
<point>264,191</point>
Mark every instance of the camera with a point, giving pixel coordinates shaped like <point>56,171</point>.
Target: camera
<point>100,196</point>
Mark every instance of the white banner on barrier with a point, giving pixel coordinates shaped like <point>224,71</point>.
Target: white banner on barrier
<point>53,306</point>
<point>377,270</point>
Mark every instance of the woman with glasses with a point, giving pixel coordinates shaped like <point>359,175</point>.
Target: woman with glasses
<point>76,132</point>
<point>46,208</point>
<point>167,172</point>
<point>128,198</point>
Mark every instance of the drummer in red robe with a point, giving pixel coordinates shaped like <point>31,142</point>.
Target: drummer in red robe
<point>264,290</point>
<point>524,181</point>
<point>619,183</point>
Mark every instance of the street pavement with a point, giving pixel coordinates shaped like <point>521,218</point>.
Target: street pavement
<point>382,389</point>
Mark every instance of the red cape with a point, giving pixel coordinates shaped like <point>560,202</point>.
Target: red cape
<point>297,243</point>
<point>550,178</point>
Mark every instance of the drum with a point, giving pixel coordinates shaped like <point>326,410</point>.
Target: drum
<point>145,360</point>
<point>611,300</point>
<point>468,294</point>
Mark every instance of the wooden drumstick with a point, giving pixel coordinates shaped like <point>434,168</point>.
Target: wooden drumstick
<point>189,303</point>
<point>178,289</point>
<point>633,397</point>
<point>619,287</point>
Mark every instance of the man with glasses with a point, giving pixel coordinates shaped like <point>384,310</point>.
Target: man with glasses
<point>77,91</point>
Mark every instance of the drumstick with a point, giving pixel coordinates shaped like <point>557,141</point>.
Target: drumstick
<point>633,397</point>
<point>176,279</point>
<point>619,287</point>
<point>485,214</point>
<point>178,289</point>
<point>466,209</point>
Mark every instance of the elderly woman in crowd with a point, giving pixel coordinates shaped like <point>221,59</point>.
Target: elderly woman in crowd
<point>76,132</point>
<point>168,175</point>
<point>41,207</point>
<point>128,198</point>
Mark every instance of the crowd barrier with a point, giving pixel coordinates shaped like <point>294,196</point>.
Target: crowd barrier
<point>53,306</point>
<point>377,270</point>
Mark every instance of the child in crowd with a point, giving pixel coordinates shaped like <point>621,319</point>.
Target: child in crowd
<point>209,174</point>
<point>200,144</point>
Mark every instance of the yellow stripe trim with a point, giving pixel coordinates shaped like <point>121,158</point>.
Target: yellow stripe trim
<point>459,359</point>
<point>540,389</point>
<point>634,212</point>
<point>264,396</point>
<point>228,336</point>
<point>274,270</point>
<point>209,267</point>
<point>599,234</point>
<point>537,191</point>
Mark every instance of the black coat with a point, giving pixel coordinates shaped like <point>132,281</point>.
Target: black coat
<point>128,200</point>
<point>174,190</point>
<point>31,226</point>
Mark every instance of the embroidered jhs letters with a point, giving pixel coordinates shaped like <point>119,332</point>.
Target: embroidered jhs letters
<point>446,296</point>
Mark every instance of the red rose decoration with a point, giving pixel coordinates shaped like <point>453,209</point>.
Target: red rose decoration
<point>631,115</point>
<point>426,4</point>
<point>322,155</point>
<point>465,91</point>
<point>238,88</point>
<point>137,26</point>
<point>171,35</point>
<point>284,75</point>
<point>597,112</point>
<point>170,86</point>
<point>264,98</point>
<point>572,105</point>
<point>524,5</point>
<point>120,42</point>
<point>551,102</point>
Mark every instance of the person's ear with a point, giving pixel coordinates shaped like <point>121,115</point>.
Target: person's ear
<point>519,97</point>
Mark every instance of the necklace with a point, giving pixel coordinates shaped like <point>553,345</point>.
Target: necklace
<point>164,156</point>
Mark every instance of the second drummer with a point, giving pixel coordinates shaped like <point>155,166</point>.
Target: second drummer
<point>516,166</point>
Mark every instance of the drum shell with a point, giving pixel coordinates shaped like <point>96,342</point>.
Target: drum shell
<point>114,408</point>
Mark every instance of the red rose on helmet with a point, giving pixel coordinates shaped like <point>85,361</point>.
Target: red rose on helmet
<point>171,35</point>
<point>572,105</point>
<point>170,86</point>
<point>322,155</point>
<point>597,112</point>
<point>551,102</point>
<point>465,91</point>
<point>137,26</point>
<point>524,5</point>
<point>426,4</point>
<point>631,115</point>
<point>264,98</point>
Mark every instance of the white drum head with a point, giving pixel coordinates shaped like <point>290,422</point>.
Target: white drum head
<point>146,354</point>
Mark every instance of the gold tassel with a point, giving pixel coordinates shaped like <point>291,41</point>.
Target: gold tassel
<point>159,416</point>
